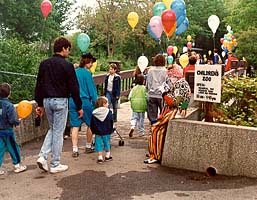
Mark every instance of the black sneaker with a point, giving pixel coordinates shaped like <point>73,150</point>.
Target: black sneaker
<point>100,161</point>
<point>131,132</point>
<point>75,154</point>
<point>108,159</point>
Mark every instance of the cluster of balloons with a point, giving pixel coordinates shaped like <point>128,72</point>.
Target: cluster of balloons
<point>189,43</point>
<point>228,42</point>
<point>46,8</point>
<point>213,23</point>
<point>170,51</point>
<point>133,19</point>
<point>169,16</point>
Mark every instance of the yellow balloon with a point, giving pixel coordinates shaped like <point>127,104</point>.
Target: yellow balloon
<point>189,38</point>
<point>183,60</point>
<point>93,68</point>
<point>24,109</point>
<point>167,3</point>
<point>133,19</point>
<point>209,52</point>
<point>175,50</point>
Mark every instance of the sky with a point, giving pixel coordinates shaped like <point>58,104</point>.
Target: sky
<point>91,3</point>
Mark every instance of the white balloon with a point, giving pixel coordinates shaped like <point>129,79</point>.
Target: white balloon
<point>142,63</point>
<point>213,22</point>
<point>223,53</point>
<point>228,28</point>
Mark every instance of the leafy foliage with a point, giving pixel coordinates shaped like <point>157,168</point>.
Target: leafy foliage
<point>239,102</point>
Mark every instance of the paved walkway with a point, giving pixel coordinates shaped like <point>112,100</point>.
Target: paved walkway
<point>126,177</point>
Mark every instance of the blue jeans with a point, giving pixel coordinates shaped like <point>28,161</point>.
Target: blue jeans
<point>56,110</point>
<point>138,118</point>
<point>114,102</point>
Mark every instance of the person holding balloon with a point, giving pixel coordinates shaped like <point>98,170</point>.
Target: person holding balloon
<point>8,119</point>
<point>88,95</point>
<point>191,65</point>
<point>155,77</point>
<point>56,82</point>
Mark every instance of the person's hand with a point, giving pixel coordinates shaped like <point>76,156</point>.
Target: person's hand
<point>40,111</point>
<point>117,97</point>
<point>80,112</point>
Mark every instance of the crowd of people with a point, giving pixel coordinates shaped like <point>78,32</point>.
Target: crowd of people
<point>67,92</point>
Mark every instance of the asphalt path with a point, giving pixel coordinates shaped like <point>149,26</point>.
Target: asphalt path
<point>126,177</point>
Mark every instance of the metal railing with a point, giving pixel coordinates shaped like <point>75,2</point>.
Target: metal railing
<point>23,85</point>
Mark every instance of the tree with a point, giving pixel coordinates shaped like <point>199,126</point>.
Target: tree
<point>23,19</point>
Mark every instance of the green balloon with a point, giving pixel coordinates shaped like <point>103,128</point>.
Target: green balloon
<point>170,59</point>
<point>83,42</point>
<point>158,8</point>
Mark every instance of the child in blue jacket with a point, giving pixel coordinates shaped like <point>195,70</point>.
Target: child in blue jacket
<point>8,119</point>
<point>102,127</point>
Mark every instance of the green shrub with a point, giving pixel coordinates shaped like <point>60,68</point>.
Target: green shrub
<point>239,102</point>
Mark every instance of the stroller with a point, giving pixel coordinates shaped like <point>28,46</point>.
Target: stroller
<point>121,141</point>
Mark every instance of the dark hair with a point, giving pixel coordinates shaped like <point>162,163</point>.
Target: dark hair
<point>215,50</point>
<point>192,60</point>
<point>140,79</point>
<point>159,60</point>
<point>61,43</point>
<point>84,61</point>
<point>101,101</point>
<point>5,90</point>
<point>114,66</point>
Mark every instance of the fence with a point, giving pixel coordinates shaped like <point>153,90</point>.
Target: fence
<point>23,85</point>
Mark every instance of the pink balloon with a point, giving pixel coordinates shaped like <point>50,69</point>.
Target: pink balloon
<point>169,50</point>
<point>189,45</point>
<point>46,8</point>
<point>156,26</point>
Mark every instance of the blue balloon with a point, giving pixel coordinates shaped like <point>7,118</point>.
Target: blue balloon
<point>182,27</point>
<point>152,33</point>
<point>180,19</point>
<point>179,7</point>
<point>83,42</point>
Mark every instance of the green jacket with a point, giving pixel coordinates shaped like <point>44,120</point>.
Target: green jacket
<point>138,98</point>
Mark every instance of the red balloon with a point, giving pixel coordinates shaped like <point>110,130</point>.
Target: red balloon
<point>169,22</point>
<point>46,8</point>
<point>169,50</point>
<point>189,45</point>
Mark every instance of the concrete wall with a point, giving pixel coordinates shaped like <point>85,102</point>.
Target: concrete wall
<point>27,131</point>
<point>194,145</point>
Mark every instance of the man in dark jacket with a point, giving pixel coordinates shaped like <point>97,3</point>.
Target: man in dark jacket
<point>56,82</point>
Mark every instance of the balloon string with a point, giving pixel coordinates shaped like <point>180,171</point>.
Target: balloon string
<point>43,30</point>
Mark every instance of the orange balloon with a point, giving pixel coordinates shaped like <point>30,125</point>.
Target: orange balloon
<point>24,109</point>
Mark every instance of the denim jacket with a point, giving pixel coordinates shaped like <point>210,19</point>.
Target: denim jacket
<point>8,117</point>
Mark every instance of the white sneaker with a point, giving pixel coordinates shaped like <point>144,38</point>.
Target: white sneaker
<point>42,164</point>
<point>141,134</point>
<point>1,172</point>
<point>59,168</point>
<point>20,168</point>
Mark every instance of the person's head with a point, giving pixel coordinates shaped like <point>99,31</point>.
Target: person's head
<point>87,60</point>
<point>176,71</point>
<point>230,54</point>
<point>102,101</point>
<point>215,50</point>
<point>140,79</point>
<point>62,46</point>
<point>113,68</point>
<point>159,60</point>
<point>5,90</point>
<point>192,60</point>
